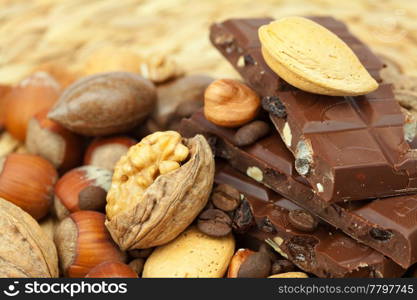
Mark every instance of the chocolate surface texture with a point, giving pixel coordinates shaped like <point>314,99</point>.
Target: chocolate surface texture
<point>388,225</point>
<point>325,252</point>
<point>347,148</point>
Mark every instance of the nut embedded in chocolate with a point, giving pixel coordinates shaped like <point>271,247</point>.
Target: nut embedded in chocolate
<point>243,218</point>
<point>266,226</point>
<point>226,197</point>
<point>251,132</point>
<point>302,220</point>
<point>273,105</point>
<point>214,222</point>
<point>380,234</point>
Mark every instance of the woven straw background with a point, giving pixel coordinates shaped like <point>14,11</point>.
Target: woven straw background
<point>65,33</point>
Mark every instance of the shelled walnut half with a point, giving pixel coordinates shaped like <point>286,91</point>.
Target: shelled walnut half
<point>158,189</point>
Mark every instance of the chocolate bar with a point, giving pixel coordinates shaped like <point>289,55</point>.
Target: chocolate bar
<point>325,252</point>
<point>388,225</point>
<point>348,148</point>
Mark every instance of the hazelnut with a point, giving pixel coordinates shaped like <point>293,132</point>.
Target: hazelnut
<point>83,242</point>
<point>83,188</point>
<point>4,89</point>
<point>112,269</point>
<point>238,258</point>
<point>32,95</point>
<point>106,152</point>
<point>60,72</point>
<point>140,253</point>
<point>249,264</point>
<point>229,103</point>
<point>27,181</point>
<point>52,141</point>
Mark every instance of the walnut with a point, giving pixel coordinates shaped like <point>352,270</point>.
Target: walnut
<point>25,249</point>
<point>158,188</point>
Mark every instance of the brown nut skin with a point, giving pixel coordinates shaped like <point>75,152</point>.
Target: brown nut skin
<point>52,141</point>
<point>25,249</point>
<point>105,152</point>
<point>4,89</point>
<point>31,96</point>
<point>27,181</point>
<point>237,260</point>
<point>83,188</point>
<point>112,269</point>
<point>83,242</point>
<point>229,103</point>
<point>105,103</point>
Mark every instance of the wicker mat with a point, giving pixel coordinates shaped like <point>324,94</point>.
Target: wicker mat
<point>36,33</point>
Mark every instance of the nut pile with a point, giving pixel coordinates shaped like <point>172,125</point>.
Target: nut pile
<point>116,190</point>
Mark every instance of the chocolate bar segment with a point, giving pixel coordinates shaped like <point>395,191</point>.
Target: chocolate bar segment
<point>325,252</point>
<point>348,148</point>
<point>388,225</point>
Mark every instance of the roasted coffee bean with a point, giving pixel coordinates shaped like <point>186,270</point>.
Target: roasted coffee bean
<point>274,106</point>
<point>251,132</point>
<point>380,234</point>
<point>257,265</point>
<point>214,222</point>
<point>302,220</point>
<point>243,218</point>
<point>140,253</point>
<point>225,197</point>
<point>282,266</point>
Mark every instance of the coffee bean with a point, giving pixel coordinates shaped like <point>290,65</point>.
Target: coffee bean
<point>302,220</point>
<point>380,234</point>
<point>257,265</point>
<point>243,219</point>
<point>226,197</point>
<point>251,132</point>
<point>274,106</point>
<point>214,222</point>
<point>282,266</point>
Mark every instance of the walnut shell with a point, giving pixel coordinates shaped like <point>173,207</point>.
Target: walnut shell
<point>105,103</point>
<point>25,249</point>
<point>169,204</point>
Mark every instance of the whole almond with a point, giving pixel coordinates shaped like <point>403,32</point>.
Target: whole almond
<point>105,103</point>
<point>313,59</point>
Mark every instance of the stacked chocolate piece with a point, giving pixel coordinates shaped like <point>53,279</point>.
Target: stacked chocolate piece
<point>344,160</point>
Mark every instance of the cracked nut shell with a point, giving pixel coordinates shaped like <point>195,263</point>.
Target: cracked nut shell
<point>25,249</point>
<point>153,198</point>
